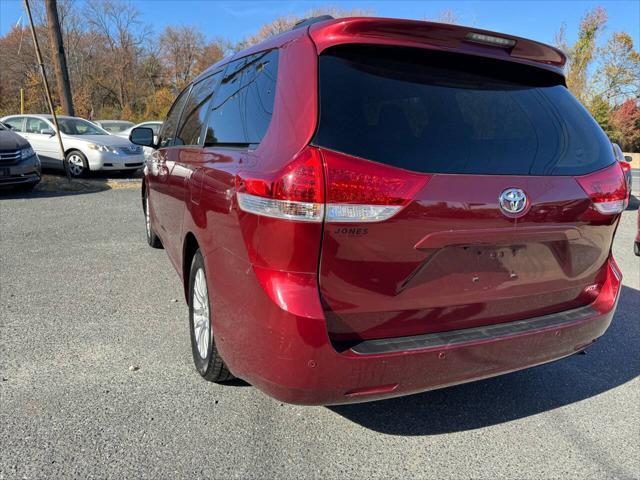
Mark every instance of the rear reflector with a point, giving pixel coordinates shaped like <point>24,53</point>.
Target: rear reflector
<point>607,189</point>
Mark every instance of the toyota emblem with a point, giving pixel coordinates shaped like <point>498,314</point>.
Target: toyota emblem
<point>513,201</point>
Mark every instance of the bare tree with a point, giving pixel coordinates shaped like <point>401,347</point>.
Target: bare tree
<point>179,51</point>
<point>120,35</point>
<point>448,16</point>
<point>283,23</point>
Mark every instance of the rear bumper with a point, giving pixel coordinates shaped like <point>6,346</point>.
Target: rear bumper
<point>377,377</point>
<point>292,359</point>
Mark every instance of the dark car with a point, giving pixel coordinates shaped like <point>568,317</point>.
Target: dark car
<point>363,208</point>
<point>19,164</point>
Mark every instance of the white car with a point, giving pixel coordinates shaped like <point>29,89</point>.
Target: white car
<point>114,126</point>
<point>87,146</point>
<point>153,125</point>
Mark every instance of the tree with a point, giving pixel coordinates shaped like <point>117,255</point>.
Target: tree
<point>119,36</point>
<point>618,75</point>
<point>448,16</point>
<point>602,78</point>
<point>18,69</point>
<point>179,50</point>
<point>626,121</point>
<point>580,55</point>
<point>283,23</point>
<point>211,53</point>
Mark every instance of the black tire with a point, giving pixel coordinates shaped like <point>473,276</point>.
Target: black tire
<point>210,366</point>
<point>152,239</point>
<point>636,248</point>
<point>77,164</point>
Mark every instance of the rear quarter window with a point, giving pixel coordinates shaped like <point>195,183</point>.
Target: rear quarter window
<point>243,105</point>
<point>452,113</point>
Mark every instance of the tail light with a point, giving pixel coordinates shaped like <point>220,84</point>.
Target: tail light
<point>296,193</point>
<point>356,190</point>
<point>362,191</point>
<point>607,189</point>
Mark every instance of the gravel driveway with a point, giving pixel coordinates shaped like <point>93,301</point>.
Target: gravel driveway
<point>82,298</point>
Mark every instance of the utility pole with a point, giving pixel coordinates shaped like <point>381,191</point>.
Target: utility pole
<point>47,91</point>
<point>59,58</point>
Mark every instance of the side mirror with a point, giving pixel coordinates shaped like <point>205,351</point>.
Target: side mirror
<point>7,126</point>
<point>628,158</point>
<point>48,131</point>
<point>142,136</point>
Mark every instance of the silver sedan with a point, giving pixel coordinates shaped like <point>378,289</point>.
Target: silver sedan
<point>87,147</point>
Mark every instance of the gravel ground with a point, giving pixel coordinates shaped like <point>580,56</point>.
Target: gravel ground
<point>82,298</point>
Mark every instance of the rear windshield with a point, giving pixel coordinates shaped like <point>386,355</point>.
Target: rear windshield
<point>451,113</point>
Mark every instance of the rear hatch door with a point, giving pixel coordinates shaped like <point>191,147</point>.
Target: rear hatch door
<point>485,169</point>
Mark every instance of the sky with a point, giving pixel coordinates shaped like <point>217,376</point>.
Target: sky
<point>538,20</point>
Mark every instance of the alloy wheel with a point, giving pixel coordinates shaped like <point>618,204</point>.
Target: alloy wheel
<point>201,322</point>
<point>147,219</point>
<point>75,163</point>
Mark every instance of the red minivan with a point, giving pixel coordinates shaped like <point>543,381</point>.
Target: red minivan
<point>363,208</point>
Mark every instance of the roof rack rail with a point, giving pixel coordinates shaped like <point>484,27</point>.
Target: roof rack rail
<point>310,21</point>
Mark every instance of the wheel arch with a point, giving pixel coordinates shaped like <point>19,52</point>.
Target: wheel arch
<point>75,149</point>
<point>189,248</point>
<point>67,151</point>
<point>143,191</point>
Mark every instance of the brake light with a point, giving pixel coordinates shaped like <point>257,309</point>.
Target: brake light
<point>626,166</point>
<point>357,190</point>
<point>490,40</point>
<point>607,189</point>
<point>296,193</point>
<point>362,191</point>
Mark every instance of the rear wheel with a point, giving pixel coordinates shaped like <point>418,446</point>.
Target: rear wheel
<point>636,248</point>
<point>77,164</point>
<point>205,354</point>
<point>152,238</point>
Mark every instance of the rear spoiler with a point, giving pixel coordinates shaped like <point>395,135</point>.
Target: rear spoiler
<point>436,36</point>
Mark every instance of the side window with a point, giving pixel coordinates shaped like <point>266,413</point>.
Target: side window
<point>15,123</point>
<point>194,113</point>
<point>34,125</point>
<point>167,133</point>
<point>243,105</point>
<point>259,92</point>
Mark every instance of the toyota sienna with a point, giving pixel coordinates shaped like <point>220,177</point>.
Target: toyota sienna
<point>364,208</point>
